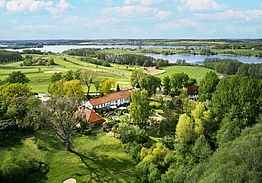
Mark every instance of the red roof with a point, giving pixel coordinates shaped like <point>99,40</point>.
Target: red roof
<point>111,97</point>
<point>192,90</point>
<point>91,116</point>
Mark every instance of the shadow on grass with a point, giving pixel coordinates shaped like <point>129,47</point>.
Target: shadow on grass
<point>50,139</point>
<point>104,169</point>
<point>15,139</point>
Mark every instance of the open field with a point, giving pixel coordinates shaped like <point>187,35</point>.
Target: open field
<point>39,81</point>
<point>193,71</point>
<point>95,158</point>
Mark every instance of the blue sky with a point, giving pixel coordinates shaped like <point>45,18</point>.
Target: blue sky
<point>99,19</point>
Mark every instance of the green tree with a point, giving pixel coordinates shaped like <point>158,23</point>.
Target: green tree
<point>139,107</point>
<point>88,78</point>
<point>11,91</point>
<point>185,132</point>
<point>150,83</point>
<point>179,80</point>
<point>167,85</point>
<point>67,88</point>
<point>56,77</point>
<point>207,86</point>
<point>73,88</point>
<point>69,75</point>
<point>136,76</point>
<point>107,85</point>
<point>57,115</point>
<point>202,149</point>
<point>17,77</point>
<point>237,99</point>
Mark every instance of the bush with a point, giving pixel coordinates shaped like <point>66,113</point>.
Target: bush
<point>134,149</point>
<point>87,131</point>
<point>11,172</point>
<point>155,105</point>
<point>169,141</point>
<point>40,144</point>
<point>22,170</point>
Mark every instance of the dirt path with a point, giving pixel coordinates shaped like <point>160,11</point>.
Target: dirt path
<point>153,71</point>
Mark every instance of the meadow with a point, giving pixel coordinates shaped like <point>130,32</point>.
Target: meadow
<point>95,158</point>
<point>40,75</point>
<point>195,72</point>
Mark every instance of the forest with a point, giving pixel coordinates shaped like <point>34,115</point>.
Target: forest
<point>214,139</point>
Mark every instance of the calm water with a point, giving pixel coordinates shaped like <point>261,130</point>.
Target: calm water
<point>198,59</point>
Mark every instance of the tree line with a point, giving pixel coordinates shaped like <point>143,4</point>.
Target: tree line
<point>232,67</point>
<point>95,54</point>
<point>9,56</point>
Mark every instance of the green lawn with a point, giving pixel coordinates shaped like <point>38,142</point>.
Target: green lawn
<point>193,71</point>
<point>96,158</point>
<point>39,81</point>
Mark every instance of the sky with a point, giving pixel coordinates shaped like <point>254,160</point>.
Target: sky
<point>130,19</point>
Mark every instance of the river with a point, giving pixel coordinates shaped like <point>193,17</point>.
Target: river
<point>196,59</point>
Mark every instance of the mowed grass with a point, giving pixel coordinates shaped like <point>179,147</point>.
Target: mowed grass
<point>95,158</point>
<point>195,72</point>
<point>39,81</point>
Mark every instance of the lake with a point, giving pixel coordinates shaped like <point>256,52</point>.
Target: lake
<point>196,59</point>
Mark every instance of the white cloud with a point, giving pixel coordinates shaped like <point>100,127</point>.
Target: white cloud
<point>21,5</point>
<point>179,24</point>
<point>200,5</point>
<point>14,21</point>
<point>45,27</point>
<point>163,14</point>
<point>168,26</point>
<point>187,22</point>
<point>247,15</point>
<point>60,7</point>
<point>130,10</point>
<point>2,3</point>
<point>143,2</point>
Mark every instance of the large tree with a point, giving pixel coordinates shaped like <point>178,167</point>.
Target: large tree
<point>179,80</point>
<point>208,86</point>
<point>107,85</point>
<point>167,85</point>
<point>17,77</point>
<point>11,91</point>
<point>68,88</point>
<point>57,115</point>
<point>237,104</point>
<point>150,83</point>
<point>88,78</point>
<point>139,107</point>
<point>136,76</point>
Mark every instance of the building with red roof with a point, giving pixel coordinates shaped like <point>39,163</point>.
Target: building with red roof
<point>192,92</point>
<point>112,100</point>
<point>90,115</point>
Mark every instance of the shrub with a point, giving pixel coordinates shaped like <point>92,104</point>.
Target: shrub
<point>11,172</point>
<point>155,105</point>
<point>40,144</point>
<point>87,131</point>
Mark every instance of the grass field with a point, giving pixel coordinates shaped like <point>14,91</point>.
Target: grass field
<point>95,158</point>
<point>39,81</point>
<point>193,72</point>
